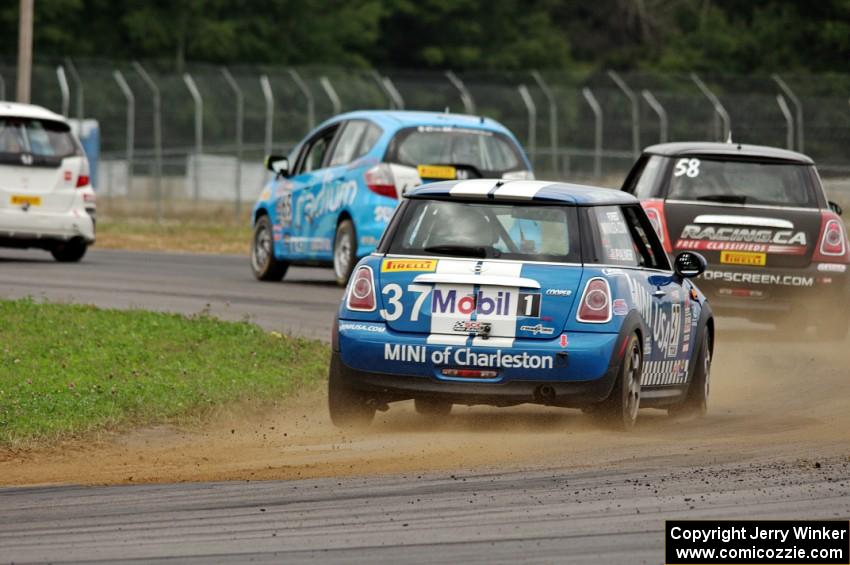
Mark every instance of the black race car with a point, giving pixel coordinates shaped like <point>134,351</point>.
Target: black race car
<point>777,249</point>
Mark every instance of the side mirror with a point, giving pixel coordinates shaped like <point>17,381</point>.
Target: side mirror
<point>836,208</point>
<point>278,164</point>
<point>689,264</point>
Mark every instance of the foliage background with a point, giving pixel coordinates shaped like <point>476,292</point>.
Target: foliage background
<point>734,36</point>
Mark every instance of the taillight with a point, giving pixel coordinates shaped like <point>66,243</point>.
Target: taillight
<point>595,305</point>
<point>654,209</point>
<point>361,291</point>
<point>832,243</point>
<point>82,180</point>
<point>380,180</point>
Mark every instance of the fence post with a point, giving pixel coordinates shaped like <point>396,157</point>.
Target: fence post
<point>597,113</point>
<point>240,111</point>
<point>311,103</point>
<point>633,99</point>
<point>660,111</point>
<point>465,96</point>
<point>553,118</point>
<point>396,95</point>
<point>2,88</point>
<point>131,124</point>
<point>199,133</point>
<point>157,136</point>
<point>63,88</point>
<point>383,88</point>
<point>329,90</point>
<point>798,108</point>
<point>266,86</point>
<point>719,110</point>
<point>789,121</point>
<point>78,82</point>
<point>532,120</point>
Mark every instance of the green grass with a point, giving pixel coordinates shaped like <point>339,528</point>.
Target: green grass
<point>69,370</point>
<point>172,235</point>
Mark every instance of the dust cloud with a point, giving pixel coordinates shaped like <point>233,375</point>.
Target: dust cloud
<point>774,396</point>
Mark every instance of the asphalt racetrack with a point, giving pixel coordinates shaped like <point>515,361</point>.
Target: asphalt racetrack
<point>185,283</point>
<point>522,484</point>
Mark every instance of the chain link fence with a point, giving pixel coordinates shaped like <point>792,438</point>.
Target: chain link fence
<point>191,143</point>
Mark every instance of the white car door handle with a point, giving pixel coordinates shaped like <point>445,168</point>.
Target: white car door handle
<point>659,293</point>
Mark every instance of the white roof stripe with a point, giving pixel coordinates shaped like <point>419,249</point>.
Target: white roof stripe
<point>520,189</point>
<point>477,187</point>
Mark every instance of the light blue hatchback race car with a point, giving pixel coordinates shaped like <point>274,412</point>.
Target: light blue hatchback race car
<point>333,196</point>
<point>504,292</point>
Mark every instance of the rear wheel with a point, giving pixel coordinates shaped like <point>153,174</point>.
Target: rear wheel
<point>70,251</point>
<point>349,408</point>
<point>345,251</point>
<point>264,265</point>
<point>433,407</point>
<point>620,410</point>
<point>696,401</point>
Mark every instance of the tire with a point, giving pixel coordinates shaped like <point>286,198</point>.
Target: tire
<point>348,407</point>
<point>696,399</point>
<point>620,410</point>
<point>345,251</point>
<point>70,251</point>
<point>264,265</point>
<point>432,407</point>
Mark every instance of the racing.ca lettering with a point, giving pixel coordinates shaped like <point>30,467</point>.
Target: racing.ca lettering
<point>781,237</point>
<point>758,278</point>
<point>466,357</point>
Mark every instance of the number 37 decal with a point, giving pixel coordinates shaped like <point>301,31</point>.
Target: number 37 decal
<point>487,302</point>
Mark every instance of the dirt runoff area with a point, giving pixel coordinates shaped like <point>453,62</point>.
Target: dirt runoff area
<point>773,399</point>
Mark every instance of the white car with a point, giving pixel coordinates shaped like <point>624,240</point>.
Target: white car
<point>46,197</point>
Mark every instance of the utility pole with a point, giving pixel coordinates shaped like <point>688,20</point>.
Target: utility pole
<point>25,51</point>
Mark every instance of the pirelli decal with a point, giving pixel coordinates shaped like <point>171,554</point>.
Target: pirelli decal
<point>398,265</point>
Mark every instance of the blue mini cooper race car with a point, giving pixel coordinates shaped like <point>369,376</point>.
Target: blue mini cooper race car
<point>506,292</point>
<point>334,195</point>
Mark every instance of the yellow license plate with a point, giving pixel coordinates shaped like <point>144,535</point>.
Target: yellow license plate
<point>18,200</point>
<point>436,172</point>
<point>743,258</point>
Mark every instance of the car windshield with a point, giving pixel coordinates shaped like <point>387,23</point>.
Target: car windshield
<point>43,138</point>
<point>483,151</point>
<point>741,182</point>
<point>505,231</point>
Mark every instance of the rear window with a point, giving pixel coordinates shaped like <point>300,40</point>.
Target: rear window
<point>740,182</point>
<point>485,151</point>
<point>493,231</point>
<point>40,138</point>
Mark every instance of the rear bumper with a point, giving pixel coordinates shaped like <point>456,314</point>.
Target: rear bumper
<point>758,293</point>
<point>537,371</point>
<point>390,388</point>
<point>34,228</point>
